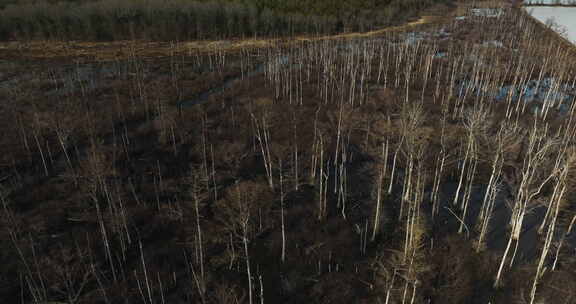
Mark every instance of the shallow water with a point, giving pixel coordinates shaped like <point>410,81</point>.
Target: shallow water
<point>563,16</point>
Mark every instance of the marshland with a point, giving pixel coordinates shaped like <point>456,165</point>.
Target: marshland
<point>353,154</point>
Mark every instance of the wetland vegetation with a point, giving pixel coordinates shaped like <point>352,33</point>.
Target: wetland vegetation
<point>431,163</point>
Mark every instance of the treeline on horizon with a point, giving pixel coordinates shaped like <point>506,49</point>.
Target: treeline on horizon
<point>103,20</point>
<point>549,3</point>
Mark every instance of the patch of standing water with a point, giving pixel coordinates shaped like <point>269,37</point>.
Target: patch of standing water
<point>545,90</point>
<point>482,12</point>
<point>487,12</point>
<point>415,37</point>
<point>493,43</point>
<point>440,55</point>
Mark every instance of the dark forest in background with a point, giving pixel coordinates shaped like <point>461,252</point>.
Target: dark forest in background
<point>187,20</point>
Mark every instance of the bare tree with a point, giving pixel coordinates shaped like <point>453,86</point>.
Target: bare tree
<point>555,202</point>
<point>534,177</point>
<point>196,189</point>
<point>474,123</point>
<point>262,127</point>
<point>236,212</point>
<point>382,172</point>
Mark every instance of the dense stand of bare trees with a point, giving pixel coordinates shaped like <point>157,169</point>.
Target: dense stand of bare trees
<point>468,97</point>
<point>469,118</point>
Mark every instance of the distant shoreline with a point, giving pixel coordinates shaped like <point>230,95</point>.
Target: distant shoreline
<point>571,45</point>
<point>548,5</point>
